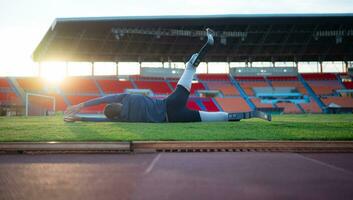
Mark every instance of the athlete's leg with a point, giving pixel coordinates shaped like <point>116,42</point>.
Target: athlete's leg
<point>177,100</point>
<point>224,116</point>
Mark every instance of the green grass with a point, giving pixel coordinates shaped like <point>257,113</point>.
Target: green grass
<point>283,127</point>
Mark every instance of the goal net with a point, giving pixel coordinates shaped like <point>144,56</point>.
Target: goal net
<point>39,105</point>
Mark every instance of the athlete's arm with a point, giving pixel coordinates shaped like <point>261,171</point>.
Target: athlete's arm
<point>113,98</point>
<point>75,118</point>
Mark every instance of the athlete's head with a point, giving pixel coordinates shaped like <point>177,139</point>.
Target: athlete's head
<point>112,110</point>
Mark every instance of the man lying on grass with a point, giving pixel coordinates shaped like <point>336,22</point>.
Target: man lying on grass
<point>140,108</point>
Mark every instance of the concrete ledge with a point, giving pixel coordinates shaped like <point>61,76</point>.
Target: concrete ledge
<point>177,146</point>
<point>64,146</point>
<point>272,146</point>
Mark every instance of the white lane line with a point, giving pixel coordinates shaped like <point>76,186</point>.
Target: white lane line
<point>325,164</point>
<point>153,163</point>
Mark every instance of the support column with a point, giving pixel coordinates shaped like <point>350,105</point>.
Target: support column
<point>206,67</point>
<point>66,69</point>
<point>345,66</point>
<point>92,68</point>
<point>39,69</point>
<point>117,68</point>
<point>320,66</point>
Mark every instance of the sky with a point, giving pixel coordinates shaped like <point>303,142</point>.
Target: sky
<point>23,23</point>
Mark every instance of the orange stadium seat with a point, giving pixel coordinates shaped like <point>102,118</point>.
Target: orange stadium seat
<point>248,82</point>
<point>79,99</point>
<point>79,85</point>
<point>233,104</point>
<point>287,81</point>
<point>9,98</point>
<point>341,101</point>
<point>311,107</point>
<point>324,87</point>
<point>258,103</point>
<point>289,107</point>
<point>158,87</point>
<point>114,86</point>
<point>4,83</point>
<point>31,84</point>
<point>225,87</point>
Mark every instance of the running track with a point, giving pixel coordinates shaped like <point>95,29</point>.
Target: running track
<point>227,175</point>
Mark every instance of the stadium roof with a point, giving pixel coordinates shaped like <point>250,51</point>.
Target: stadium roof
<point>263,37</point>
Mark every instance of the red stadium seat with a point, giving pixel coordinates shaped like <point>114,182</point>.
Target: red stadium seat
<point>311,107</point>
<point>158,87</point>
<point>114,86</point>
<point>9,98</point>
<point>213,77</point>
<point>225,87</point>
<point>192,105</point>
<point>258,103</point>
<point>348,85</point>
<point>210,105</point>
<point>194,86</point>
<point>319,76</point>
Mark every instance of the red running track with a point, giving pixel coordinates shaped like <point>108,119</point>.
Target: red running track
<point>247,175</point>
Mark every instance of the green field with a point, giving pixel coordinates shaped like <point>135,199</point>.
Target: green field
<point>283,127</point>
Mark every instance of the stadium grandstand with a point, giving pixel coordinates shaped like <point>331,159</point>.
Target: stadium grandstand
<point>258,62</point>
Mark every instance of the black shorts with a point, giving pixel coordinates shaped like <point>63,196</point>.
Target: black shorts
<point>176,107</point>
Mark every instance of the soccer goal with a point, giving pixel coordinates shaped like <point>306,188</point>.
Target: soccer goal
<point>39,104</point>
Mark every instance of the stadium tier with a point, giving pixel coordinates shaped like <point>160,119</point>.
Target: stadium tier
<point>219,82</point>
<point>249,82</point>
<point>287,81</point>
<point>79,85</point>
<point>111,86</point>
<point>75,90</point>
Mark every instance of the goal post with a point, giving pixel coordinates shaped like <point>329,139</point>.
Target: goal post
<point>39,104</point>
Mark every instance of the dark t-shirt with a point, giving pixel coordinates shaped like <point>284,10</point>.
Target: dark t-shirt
<point>136,108</point>
<point>139,108</point>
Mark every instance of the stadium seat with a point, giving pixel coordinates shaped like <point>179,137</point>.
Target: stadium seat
<point>157,87</point>
<point>348,85</point>
<point>210,105</point>
<point>191,104</point>
<point>213,77</point>
<point>225,87</point>
<point>248,82</point>
<point>77,85</point>
<point>4,83</point>
<point>287,81</point>
<point>258,103</point>
<point>319,76</point>
<point>9,98</point>
<point>194,86</point>
<point>324,87</point>
<point>346,102</point>
<point>233,104</point>
<point>31,84</point>
<point>110,86</point>
<point>79,99</point>
<point>311,107</point>
<point>289,108</point>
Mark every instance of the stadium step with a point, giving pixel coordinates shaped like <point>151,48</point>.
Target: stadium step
<point>17,89</point>
<point>242,93</point>
<point>311,92</point>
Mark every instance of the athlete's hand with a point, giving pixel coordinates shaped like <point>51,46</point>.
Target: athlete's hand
<point>71,118</point>
<point>72,110</point>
